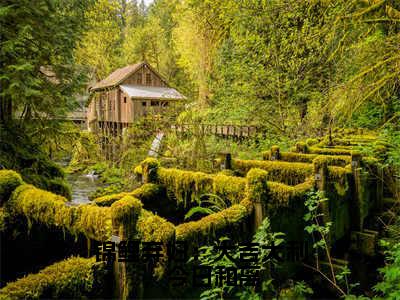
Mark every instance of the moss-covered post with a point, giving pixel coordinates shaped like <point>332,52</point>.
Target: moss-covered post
<point>125,214</point>
<point>149,170</point>
<point>257,192</point>
<point>357,205</point>
<point>226,161</point>
<point>301,147</point>
<point>275,153</point>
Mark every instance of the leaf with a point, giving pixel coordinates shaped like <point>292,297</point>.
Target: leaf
<point>198,210</point>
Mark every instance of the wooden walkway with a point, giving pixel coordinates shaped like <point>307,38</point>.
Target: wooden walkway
<point>237,131</point>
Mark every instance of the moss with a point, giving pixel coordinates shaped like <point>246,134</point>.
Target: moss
<point>9,181</point>
<point>147,192</point>
<point>153,228</point>
<point>226,172</point>
<point>126,210</point>
<point>144,193</point>
<point>36,204</point>
<point>311,142</point>
<point>107,200</point>
<point>211,226</point>
<point>338,177</point>
<point>257,185</point>
<point>329,151</point>
<point>138,170</point>
<point>2,220</point>
<point>94,222</point>
<point>229,187</point>
<point>186,186</point>
<point>51,210</point>
<point>72,278</point>
<point>149,169</point>
<point>280,194</point>
<point>302,147</point>
<point>286,172</point>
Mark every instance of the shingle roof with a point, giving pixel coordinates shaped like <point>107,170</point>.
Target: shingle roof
<point>151,92</point>
<point>116,77</point>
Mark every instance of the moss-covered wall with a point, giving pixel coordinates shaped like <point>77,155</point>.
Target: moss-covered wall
<point>280,171</point>
<point>187,187</point>
<point>73,278</point>
<point>43,207</point>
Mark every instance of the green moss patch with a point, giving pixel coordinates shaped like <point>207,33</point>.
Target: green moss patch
<point>280,171</point>
<point>188,186</point>
<point>51,210</point>
<point>73,278</point>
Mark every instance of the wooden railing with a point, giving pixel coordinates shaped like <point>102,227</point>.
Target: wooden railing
<point>221,130</point>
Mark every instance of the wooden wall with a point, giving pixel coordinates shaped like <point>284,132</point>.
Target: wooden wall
<point>116,106</point>
<point>144,76</point>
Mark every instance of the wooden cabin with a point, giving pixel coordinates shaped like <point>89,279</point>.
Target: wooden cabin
<point>128,94</point>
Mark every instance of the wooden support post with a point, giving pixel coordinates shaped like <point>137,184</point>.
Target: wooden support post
<point>226,161</point>
<point>128,283</point>
<point>257,191</point>
<point>357,206</point>
<point>275,153</point>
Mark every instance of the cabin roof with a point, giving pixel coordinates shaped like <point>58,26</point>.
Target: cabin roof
<point>119,75</point>
<point>116,77</point>
<point>151,92</point>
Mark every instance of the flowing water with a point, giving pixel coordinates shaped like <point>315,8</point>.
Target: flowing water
<point>82,186</point>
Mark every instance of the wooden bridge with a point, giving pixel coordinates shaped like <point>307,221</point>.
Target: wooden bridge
<point>225,130</point>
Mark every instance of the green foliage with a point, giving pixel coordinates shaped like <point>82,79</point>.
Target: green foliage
<point>209,256</point>
<point>38,71</point>
<point>213,225</point>
<point>85,152</point>
<point>74,277</point>
<point>388,288</point>
<point>208,204</point>
<point>24,154</point>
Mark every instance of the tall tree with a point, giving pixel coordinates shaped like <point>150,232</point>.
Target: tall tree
<point>38,73</point>
<point>100,46</point>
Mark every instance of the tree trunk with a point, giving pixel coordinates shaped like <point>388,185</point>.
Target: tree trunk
<point>5,110</point>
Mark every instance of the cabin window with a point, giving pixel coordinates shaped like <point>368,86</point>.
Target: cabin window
<point>144,103</point>
<point>139,78</point>
<point>154,103</point>
<point>164,104</point>
<point>124,99</point>
<point>148,79</point>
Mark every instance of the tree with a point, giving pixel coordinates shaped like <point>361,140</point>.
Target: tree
<point>38,74</point>
<point>100,47</point>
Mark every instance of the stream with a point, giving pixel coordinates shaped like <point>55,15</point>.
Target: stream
<point>82,185</point>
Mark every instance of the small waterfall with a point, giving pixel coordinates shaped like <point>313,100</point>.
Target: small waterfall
<point>155,145</point>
